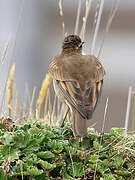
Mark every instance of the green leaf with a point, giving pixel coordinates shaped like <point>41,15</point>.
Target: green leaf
<point>85,144</point>
<point>15,170</point>
<point>14,156</point>
<point>21,139</point>
<point>66,176</point>
<point>117,131</point>
<point>31,159</point>
<point>49,134</point>
<point>74,142</point>
<point>47,165</point>
<point>77,169</point>
<point>94,158</point>
<point>5,149</point>
<point>34,171</point>
<point>71,150</point>
<point>3,175</point>
<point>31,148</point>
<point>56,146</point>
<point>118,161</point>
<point>45,155</point>
<point>42,177</point>
<point>96,145</point>
<point>123,172</point>
<point>91,130</point>
<point>108,177</point>
<point>35,131</point>
<point>25,127</point>
<point>8,139</point>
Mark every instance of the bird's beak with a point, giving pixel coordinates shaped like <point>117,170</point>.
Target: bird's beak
<point>81,44</point>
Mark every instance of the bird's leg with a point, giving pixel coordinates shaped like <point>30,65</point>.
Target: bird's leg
<point>62,124</point>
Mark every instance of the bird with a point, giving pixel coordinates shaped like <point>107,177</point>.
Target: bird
<point>78,81</point>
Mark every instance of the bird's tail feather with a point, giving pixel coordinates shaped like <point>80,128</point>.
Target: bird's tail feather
<point>79,124</point>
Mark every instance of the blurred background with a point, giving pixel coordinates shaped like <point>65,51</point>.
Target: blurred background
<point>34,32</point>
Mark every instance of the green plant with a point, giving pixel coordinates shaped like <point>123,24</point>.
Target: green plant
<point>38,151</point>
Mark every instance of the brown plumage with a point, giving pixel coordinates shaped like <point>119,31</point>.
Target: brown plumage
<point>78,81</point>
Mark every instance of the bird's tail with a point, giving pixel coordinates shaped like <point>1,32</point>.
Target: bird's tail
<point>79,124</point>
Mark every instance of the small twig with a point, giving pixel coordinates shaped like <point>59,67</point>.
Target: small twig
<point>62,16</point>
<point>97,26</point>
<point>77,17</point>
<point>128,109</point>
<point>72,163</point>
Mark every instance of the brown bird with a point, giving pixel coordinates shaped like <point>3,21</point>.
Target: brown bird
<point>78,81</point>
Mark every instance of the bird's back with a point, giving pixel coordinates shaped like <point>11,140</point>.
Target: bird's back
<point>78,67</point>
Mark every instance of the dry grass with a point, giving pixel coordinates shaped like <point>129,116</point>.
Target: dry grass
<point>42,94</point>
<point>17,108</point>
<point>5,52</point>
<point>128,109</point>
<point>85,18</point>
<point>62,16</point>
<point>10,89</point>
<point>133,110</point>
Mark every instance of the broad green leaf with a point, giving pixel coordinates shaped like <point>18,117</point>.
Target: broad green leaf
<point>31,159</point>
<point>15,170</point>
<point>3,175</point>
<point>8,138</point>
<point>108,177</point>
<point>96,145</point>
<point>117,131</point>
<point>31,148</point>
<point>34,131</point>
<point>77,169</point>
<point>43,176</point>
<point>71,150</point>
<point>45,155</point>
<point>49,134</point>
<point>5,149</point>
<point>34,171</point>
<point>14,156</point>
<point>47,165</point>
<point>94,158</point>
<point>56,146</point>
<point>118,160</point>
<point>123,172</point>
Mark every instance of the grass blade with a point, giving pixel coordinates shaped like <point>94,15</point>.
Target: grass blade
<point>128,109</point>
<point>97,26</point>
<point>77,17</point>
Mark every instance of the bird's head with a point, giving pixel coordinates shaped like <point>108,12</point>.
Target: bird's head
<point>72,43</point>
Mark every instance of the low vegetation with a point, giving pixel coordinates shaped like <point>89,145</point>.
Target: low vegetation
<point>39,152</point>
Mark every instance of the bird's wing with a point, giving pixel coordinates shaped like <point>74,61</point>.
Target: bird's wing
<point>71,82</point>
